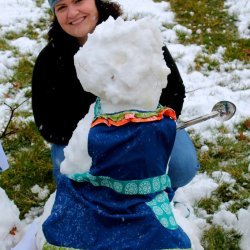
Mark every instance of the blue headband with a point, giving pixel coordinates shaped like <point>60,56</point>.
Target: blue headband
<point>52,4</point>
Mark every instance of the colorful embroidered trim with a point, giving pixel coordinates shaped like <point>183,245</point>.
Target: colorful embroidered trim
<point>161,208</point>
<point>121,118</point>
<point>128,187</point>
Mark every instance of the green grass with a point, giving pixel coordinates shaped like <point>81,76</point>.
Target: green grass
<point>23,73</point>
<point>30,164</point>
<point>4,45</point>
<point>217,238</point>
<point>28,153</point>
<point>229,155</point>
<point>211,26</point>
<point>32,31</point>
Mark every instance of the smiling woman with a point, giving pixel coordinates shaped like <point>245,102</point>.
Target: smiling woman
<point>58,100</point>
<point>77,18</point>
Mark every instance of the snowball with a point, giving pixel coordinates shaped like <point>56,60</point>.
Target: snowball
<point>225,219</point>
<point>42,192</point>
<point>204,149</point>
<point>221,176</point>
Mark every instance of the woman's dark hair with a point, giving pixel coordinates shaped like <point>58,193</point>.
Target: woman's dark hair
<point>105,10</point>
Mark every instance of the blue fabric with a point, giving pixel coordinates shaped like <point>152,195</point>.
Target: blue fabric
<point>89,217</point>
<point>183,164</point>
<point>182,167</point>
<point>134,151</point>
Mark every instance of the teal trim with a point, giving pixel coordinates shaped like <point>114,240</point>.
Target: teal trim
<point>128,187</point>
<point>121,115</point>
<point>162,209</point>
<point>97,108</point>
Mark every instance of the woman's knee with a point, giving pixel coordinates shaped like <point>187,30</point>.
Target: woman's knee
<point>183,164</point>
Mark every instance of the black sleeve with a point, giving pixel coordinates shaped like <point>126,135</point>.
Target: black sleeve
<point>58,99</point>
<point>41,100</point>
<point>173,95</point>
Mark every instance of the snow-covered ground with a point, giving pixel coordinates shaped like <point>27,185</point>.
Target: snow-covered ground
<point>204,88</point>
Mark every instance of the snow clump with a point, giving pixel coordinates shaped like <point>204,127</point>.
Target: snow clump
<point>122,62</point>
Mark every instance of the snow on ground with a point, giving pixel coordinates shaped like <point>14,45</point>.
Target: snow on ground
<point>204,88</point>
<point>241,10</point>
<point>9,222</point>
<point>16,15</point>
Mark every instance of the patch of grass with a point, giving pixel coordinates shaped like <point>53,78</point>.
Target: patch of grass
<point>224,151</point>
<point>216,238</point>
<point>4,45</point>
<point>32,31</point>
<point>30,164</point>
<point>209,204</point>
<point>231,155</point>
<point>240,204</point>
<point>23,73</point>
<point>226,192</point>
<point>202,60</point>
<point>211,26</point>
<point>39,3</point>
<point>243,126</point>
<point>11,35</point>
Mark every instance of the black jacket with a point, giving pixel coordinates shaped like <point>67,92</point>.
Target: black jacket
<point>59,101</point>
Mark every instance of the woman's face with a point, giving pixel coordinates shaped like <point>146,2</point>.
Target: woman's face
<point>77,17</point>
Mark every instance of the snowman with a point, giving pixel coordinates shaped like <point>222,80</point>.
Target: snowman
<point>112,191</point>
<point>121,74</point>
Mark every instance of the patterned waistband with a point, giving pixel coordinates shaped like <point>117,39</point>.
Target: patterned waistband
<point>128,187</point>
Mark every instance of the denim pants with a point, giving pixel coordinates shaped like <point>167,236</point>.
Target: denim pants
<point>183,164</point>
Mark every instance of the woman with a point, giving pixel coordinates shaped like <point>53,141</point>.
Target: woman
<point>59,101</point>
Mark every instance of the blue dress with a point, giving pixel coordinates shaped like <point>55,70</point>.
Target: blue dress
<point>121,203</point>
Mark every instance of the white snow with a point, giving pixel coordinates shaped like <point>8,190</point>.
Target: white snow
<point>7,62</point>
<point>27,46</point>
<point>41,192</point>
<point>9,220</point>
<point>230,81</point>
<point>16,15</point>
<point>221,176</point>
<point>79,161</point>
<point>241,10</point>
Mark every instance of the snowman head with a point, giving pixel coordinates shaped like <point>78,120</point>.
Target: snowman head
<point>122,63</point>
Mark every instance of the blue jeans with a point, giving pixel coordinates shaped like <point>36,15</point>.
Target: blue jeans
<point>183,164</point>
